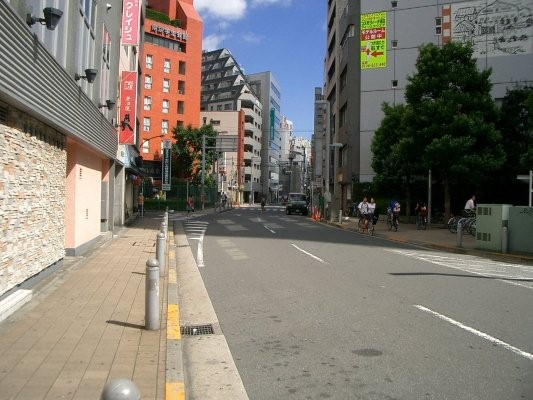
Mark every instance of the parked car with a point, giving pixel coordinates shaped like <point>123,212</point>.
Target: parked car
<point>297,203</point>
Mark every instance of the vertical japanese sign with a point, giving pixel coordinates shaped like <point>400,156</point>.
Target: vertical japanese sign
<point>374,40</point>
<point>130,22</point>
<point>128,107</point>
<point>165,168</point>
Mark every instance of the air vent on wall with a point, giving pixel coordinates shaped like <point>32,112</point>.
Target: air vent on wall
<point>3,114</point>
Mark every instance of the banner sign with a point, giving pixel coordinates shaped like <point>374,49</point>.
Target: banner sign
<point>374,40</point>
<point>128,107</point>
<point>165,168</point>
<point>130,22</point>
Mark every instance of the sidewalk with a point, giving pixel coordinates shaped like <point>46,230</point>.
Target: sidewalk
<point>85,325</point>
<point>435,237</point>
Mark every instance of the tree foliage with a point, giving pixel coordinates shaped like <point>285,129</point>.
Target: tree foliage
<point>447,124</point>
<point>187,151</point>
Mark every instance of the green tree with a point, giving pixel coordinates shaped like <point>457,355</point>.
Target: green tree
<point>187,151</point>
<point>395,157</point>
<point>452,117</point>
<point>516,126</point>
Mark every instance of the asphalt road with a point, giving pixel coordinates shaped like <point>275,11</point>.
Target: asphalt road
<point>314,312</point>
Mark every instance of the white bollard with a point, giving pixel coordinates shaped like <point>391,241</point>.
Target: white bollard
<point>151,306</point>
<point>160,252</point>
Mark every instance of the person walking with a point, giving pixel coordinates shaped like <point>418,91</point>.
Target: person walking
<point>471,203</point>
<point>190,205</point>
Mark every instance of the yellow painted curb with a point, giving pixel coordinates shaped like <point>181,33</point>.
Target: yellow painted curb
<point>175,391</point>
<point>173,322</point>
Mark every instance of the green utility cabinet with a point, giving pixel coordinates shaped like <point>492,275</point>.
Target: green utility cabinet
<point>521,229</point>
<point>491,221</point>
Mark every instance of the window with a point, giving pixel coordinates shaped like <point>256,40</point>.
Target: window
<point>394,44</point>
<point>181,107</point>
<point>166,85</point>
<point>166,105</point>
<point>147,103</point>
<point>146,147</point>
<point>182,68</point>
<point>166,66</point>
<point>164,127</point>
<point>344,78</point>
<point>181,87</point>
<point>146,124</point>
<point>342,117</point>
<point>149,61</point>
<point>438,26</point>
<point>147,82</point>
<point>180,124</point>
<point>394,83</point>
<point>85,46</point>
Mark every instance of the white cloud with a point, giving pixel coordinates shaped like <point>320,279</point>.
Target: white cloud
<point>251,37</point>
<point>225,9</point>
<point>213,42</point>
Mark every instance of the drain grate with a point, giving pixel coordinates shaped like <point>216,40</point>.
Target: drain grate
<point>197,330</point>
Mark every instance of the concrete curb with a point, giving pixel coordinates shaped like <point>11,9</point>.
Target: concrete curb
<point>175,377</point>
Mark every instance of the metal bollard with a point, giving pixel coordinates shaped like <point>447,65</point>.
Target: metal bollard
<point>160,253</point>
<point>164,228</point>
<point>460,233</point>
<point>151,305</point>
<point>120,389</point>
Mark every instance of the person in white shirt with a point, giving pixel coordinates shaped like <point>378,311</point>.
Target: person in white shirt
<point>470,204</point>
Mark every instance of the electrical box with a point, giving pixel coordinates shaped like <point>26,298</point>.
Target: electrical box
<point>490,221</point>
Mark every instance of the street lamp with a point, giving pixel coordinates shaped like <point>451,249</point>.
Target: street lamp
<point>334,204</point>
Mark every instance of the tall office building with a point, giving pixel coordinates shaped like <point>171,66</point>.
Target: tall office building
<point>372,47</point>
<point>225,89</point>
<point>171,74</point>
<point>265,85</point>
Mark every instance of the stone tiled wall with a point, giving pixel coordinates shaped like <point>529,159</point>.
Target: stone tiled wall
<point>32,198</point>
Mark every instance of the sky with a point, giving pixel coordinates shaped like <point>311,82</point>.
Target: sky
<point>285,37</point>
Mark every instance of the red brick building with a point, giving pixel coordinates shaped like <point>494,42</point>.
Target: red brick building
<point>171,73</point>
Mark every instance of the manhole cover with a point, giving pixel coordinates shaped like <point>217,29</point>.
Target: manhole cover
<point>197,330</point>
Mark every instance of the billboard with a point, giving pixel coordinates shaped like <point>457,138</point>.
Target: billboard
<point>374,40</point>
<point>498,28</point>
<point>166,165</point>
<point>130,22</point>
<point>128,107</point>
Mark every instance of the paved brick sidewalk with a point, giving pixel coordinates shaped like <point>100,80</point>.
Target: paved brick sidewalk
<point>85,326</point>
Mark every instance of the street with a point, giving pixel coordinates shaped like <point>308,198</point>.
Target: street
<point>310,311</point>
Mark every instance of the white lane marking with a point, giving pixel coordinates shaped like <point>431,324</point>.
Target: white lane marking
<point>200,253</point>
<point>478,333</point>
<point>268,229</point>
<point>309,254</point>
<point>501,271</point>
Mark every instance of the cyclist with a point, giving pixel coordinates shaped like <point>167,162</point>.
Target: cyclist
<point>365,212</point>
<point>421,215</point>
<point>394,213</point>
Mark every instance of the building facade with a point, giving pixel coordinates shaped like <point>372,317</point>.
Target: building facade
<point>226,89</point>
<point>372,47</point>
<point>58,140</point>
<point>171,73</point>
<point>268,90</point>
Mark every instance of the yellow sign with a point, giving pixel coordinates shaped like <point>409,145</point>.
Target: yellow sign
<point>374,40</point>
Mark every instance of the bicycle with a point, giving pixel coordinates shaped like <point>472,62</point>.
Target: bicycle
<point>365,224</point>
<point>392,220</point>
<point>421,221</point>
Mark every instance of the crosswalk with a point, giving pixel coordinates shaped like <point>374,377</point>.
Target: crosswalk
<point>514,274</point>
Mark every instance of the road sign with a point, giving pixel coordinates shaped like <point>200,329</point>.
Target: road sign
<point>166,164</point>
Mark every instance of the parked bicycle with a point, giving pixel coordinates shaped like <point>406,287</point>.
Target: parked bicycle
<point>467,220</point>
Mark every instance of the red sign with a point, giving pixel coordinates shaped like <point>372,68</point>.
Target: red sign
<point>130,22</point>
<point>128,107</point>
<point>373,34</point>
